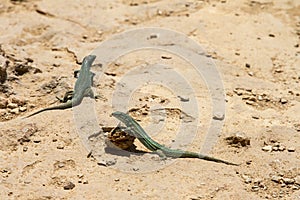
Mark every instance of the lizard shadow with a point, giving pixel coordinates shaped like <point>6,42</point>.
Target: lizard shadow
<point>126,153</point>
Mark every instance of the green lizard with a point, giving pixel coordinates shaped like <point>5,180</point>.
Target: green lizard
<point>82,87</point>
<point>137,131</point>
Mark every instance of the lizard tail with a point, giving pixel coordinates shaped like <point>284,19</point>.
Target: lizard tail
<point>204,157</point>
<point>61,107</point>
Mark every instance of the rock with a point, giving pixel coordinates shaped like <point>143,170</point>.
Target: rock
<point>3,103</point>
<point>14,111</point>
<point>247,179</point>
<point>183,98</point>
<point>275,148</point>
<point>267,148</point>
<point>107,163</point>
<point>18,101</point>
<point>255,188</point>
<point>281,148</point>
<point>257,181</point>
<point>69,186</point>
<point>238,139</point>
<point>283,101</point>
<point>21,68</point>
<point>260,98</point>
<point>288,181</point>
<point>23,109</point>
<point>3,69</point>
<point>276,179</point>
<point>291,149</point>
<point>297,180</point>
<point>218,116</point>
<point>12,105</point>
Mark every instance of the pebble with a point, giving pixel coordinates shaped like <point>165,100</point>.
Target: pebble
<point>267,148</point>
<point>283,101</point>
<point>14,111</point>
<point>260,98</point>
<point>107,163</point>
<point>276,179</point>
<point>247,179</point>
<point>12,105</point>
<point>3,103</point>
<point>297,180</point>
<point>294,187</point>
<point>69,186</point>
<point>257,180</point>
<point>23,109</point>
<point>19,102</point>
<point>238,139</point>
<point>281,148</point>
<point>255,188</point>
<point>288,181</point>
<point>291,149</point>
<point>183,98</point>
<point>275,148</point>
<point>250,73</point>
<point>218,116</point>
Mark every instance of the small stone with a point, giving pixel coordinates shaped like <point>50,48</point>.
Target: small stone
<point>166,57</point>
<point>238,139</point>
<point>283,101</point>
<point>3,103</point>
<point>250,102</point>
<point>117,180</point>
<point>60,146</point>
<point>291,149</point>
<point>276,144</point>
<point>14,111</point>
<point>183,98</point>
<point>250,73</point>
<point>85,182</point>
<point>267,148</point>
<point>247,179</point>
<point>247,65</point>
<point>102,163</point>
<point>281,148</point>
<point>60,165</point>
<point>275,148</point>
<point>259,98</point>
<point>12,105</point>
<point>37,140</point>
<point>18,101</point>
<point>288,181</point>
<point>218,116</point>
<point>297,180</point>
<point>80,175</point>
<point>25,149</point>
<point>69,186</point>
<point>271,35</point>
<point>257,181</point>
<point>23,109</point>
<point>276,179</point>
<point>294,187</point>
<point>255,188</point>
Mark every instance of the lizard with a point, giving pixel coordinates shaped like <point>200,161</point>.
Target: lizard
<point>82,87</point>
<point>137,131</point>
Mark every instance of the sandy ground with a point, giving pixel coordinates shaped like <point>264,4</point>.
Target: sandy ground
<point>255,48</point>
